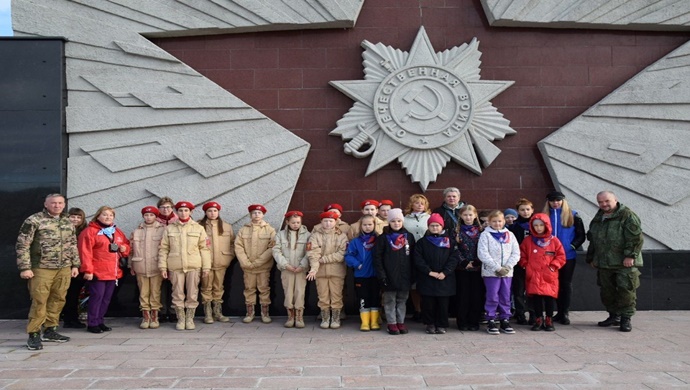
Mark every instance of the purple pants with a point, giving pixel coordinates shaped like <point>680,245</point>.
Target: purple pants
<point>100,292</point>
<point>497,304</point>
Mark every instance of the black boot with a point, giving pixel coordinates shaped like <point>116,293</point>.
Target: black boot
<point>625,326</point>
<point>565,318</point>
<point>613,319</point>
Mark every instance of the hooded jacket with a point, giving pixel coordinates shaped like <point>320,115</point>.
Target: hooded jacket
<point>542,255</point>
<point>94,251</point>
<point>360,255</point>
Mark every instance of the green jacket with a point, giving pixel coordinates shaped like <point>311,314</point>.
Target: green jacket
<point>48,242</point>
<point>614,238</point>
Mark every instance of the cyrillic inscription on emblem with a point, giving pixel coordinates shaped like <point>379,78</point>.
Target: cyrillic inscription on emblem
<point>423,107</point>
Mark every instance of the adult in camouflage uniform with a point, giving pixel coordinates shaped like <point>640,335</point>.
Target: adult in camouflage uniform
<point>615,250</point>
<point>47,257</point>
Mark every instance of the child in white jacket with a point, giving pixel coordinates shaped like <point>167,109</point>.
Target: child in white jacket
<point>290,254</point>
<point>499,252</point>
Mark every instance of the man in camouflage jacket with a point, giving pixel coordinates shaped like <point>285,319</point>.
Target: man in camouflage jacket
<point>47,257</point>
<point>615,250</point>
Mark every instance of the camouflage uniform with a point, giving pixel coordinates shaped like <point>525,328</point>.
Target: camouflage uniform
<point>612,238</point>
<point>47,246</point>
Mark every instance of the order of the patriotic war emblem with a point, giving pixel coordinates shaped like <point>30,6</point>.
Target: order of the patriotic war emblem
<point>422,108</point>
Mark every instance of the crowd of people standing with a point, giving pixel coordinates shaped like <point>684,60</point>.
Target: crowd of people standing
<point>499,265</point>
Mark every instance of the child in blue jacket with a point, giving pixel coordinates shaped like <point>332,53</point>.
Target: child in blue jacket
<point>360,256</point>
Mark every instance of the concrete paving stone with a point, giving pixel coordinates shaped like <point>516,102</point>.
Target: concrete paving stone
<point>218,383</point>
<point>452,358</point>
<point>108,373</point>
<point>262,371</point>
<point>185,372</point>
<point>52,383</point>
<point>421,369</point>
<point>299,382</point>
<point>386,358</point>
<point>465,380</point>
<point>134,383</point>
<point>575,367</point>
<point>676,373</point>
<point>34,373</point>
<point>305,361</point>
<point>641,377</point>
<point>496,368</point>
<point>535,386</point>
<point>404,381</point>
<point>550,378</point>
<point>608,358</point>
<point>341,371</point>
<point>230,362</point>
<point>667,365</point>
<point>518,357</point>
<point>136,363</point>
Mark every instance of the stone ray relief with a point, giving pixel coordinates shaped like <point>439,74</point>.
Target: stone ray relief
<point>423,109</point>
<point>122,86</point>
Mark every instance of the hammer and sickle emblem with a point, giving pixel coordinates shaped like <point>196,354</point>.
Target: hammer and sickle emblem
<point>432,112</point>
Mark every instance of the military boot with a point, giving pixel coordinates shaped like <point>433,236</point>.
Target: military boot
<point>291,319</point>
<point>154,324</point>
<point>335,319</point>
<point>299,318</point>
<point>179,311</point>
<point>613,319</point>
<point>250,314</point>
<point>145,320</point>
<point>325,319</point>
<point>625,325</point>
<point>218,312</point>
<point>265,318</point>
<point>208,313</point>
<point>189,319</point>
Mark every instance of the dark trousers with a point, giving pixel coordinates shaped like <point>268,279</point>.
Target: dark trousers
<point>518,290</point>
<point>166,298</point>
<point>542,304</point>
<point>565,286</point>
<point>619,289</point>
<point>470,297</point>
<point>70,312</point>
<point>435,311</point>
<point>100,293</point>
<point>368,292</point>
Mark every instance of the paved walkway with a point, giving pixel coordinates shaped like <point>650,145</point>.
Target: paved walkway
<point>656,355</point>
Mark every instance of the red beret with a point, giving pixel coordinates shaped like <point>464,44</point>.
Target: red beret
<point>150,209</point>
<point>333,206</point>
<point>257,207</point>
<point>208,205</point>
<point>387,202</point>
<point>183,203</point>
<point>369,202</point>
<point>292,213</point>
<point>328,214</point>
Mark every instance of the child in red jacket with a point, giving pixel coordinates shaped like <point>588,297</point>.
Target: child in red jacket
<point>542,255</point>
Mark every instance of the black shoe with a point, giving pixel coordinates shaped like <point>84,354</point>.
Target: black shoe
<point>538,324</point>
<point>506,328</point>
<point>440,330</point>
<point>462,327</point>
<point>430,329</point>
<point>105,328</point>
<point>51,334</point>
<point>94,329</point>
<point>625,325</point>
<point>565,319</point>
<point>532,319</point>
<point>34,342</point>
<point>73,325</point>
<point>612,320</point>
<point>473,328</point>
<point>491,328</point>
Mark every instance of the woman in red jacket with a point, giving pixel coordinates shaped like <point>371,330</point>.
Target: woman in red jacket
<point>542,255</point>
<point>101,245</point>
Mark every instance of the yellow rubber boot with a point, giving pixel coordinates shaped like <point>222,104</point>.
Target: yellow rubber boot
<point>365,316</point>
<point>375,319</point>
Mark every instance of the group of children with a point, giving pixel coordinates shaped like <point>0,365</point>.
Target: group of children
<point>482,262</point>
